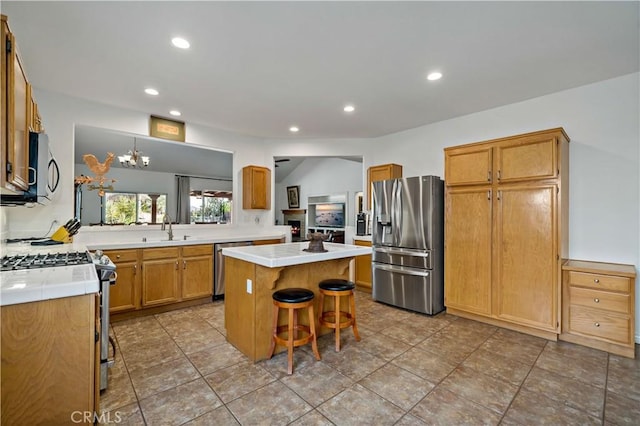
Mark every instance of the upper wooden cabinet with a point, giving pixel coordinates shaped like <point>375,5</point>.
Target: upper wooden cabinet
<point>519,158</point>
<point>256,188</point>
<point>506,230</point>
<point>16,115</point>
<point>381,172</point>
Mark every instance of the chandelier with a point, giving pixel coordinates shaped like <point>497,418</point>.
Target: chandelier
<point>134,158</point>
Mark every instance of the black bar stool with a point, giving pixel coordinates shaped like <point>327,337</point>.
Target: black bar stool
<point>336,318</point>
<point>293,299</point>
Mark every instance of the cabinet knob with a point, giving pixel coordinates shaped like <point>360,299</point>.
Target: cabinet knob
<point>597,324</point>
<point>596,300</point>
<point>596,280</point>
<point>117,256</point>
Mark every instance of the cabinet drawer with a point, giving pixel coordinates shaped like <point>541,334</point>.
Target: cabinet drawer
<point>122,255</point>
<point>602,282</point>
<point>160,253</point>
<point>597,323</point>
<point>199,250</point>
<point>599,299</point>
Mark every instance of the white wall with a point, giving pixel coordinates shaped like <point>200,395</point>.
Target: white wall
<point>321,176</point>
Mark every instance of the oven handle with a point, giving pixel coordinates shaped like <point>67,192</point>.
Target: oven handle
<point>113,278</point>
<point>401,270</point>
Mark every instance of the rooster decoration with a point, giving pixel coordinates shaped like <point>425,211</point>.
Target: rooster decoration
<point>100,170</point>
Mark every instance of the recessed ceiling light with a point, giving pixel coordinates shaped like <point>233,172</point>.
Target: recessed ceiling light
<point>180,43</point>
<point>175,113</point>
<point>434,76</point>
<point>150,91</point>
<point>349,108</point>
<point>293,129</point>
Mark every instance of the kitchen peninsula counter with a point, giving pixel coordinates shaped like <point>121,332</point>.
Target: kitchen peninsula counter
<point>254,273</point>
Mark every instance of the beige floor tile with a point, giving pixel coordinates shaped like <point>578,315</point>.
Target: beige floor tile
<point>237,380</point>
<point>129,415</point>
<point>621,410</point>
<point>382,346</point>
<point>498,366</point>
<point>150,380</point>
<point>211,359</point>
<point>316,383</point>
<point>187,326</point>
<point>572,392</point>
<point>424,364</point>
<point>352,362</point>
<point>359,406</point>
<point>530,408</point>
<point>150,353</point>
<point>398,386</point>
<point>590,370</point>
<point>119,393</point>
<point>312,418</point>
<point>180,404</point>
<point>195,341</point>
<point>442,407</point>
<point>475,386</point>
<point>624,376</point>
<point>220,416</point>
<point>273,404</point>
<point>447,346</point>
<point>515,349</point>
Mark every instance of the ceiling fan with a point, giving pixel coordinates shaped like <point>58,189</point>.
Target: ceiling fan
<point>282,160</point>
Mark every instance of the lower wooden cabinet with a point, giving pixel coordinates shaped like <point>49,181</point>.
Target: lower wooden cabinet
<point>363,267</point>
<point>49,361</point>
<point>124,295</point>
<point>598,305</point>
<point>160,276</point>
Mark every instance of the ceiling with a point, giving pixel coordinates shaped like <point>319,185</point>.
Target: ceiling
<point>256,68</point>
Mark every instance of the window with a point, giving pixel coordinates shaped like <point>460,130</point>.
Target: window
<point>210,206</point>
<point>125,208</point>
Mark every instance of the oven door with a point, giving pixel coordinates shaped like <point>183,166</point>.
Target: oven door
<point>405,287</point>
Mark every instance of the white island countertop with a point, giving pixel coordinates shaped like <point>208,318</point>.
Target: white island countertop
<point>276,255</point>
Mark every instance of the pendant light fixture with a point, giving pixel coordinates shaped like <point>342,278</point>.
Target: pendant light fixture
<point>134,158</point>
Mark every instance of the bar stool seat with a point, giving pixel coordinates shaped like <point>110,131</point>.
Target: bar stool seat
<point>336,318</point>
<point>293,299</point>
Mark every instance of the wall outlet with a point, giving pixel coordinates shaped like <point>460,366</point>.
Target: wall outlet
<point>249,286</point>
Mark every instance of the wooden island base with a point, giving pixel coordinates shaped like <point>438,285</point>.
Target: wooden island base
<point>249,306</point>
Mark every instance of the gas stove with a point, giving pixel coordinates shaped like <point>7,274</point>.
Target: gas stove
<point>45,260</point>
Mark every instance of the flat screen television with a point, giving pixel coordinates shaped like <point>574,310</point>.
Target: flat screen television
<point>330,215</point>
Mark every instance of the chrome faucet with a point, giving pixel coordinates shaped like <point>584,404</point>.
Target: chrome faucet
<point>167,218</point>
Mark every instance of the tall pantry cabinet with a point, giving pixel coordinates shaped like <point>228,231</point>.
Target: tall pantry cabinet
<point>506,230</point>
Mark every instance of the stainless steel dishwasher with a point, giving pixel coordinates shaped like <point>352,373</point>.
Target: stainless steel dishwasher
<point>218,267</point>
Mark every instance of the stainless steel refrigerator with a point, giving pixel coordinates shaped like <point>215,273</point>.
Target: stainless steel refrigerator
<point>408,243</point>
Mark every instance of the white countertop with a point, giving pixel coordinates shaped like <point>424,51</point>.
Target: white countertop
<point>275,255</point>
<point>32,285</point>
<point>362,237</point>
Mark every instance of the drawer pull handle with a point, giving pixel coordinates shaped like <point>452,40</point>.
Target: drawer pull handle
<point>596,300</point>
<point>597,324</point>
<point>117,256</point>
<point>596,280</point>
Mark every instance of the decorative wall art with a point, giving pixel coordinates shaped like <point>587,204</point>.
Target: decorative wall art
<point>166,129</point>
<point>293,196</point>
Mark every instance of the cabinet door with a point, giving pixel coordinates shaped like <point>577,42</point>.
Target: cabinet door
<point>256,188</point>
<point>122,295</point>
<point>533,158</point>
<point>363,266</point>
<point>160,282</point>
<point>526,262</point>
<point>381,172</point>
<point>468,250</point>
<point>197,276</point>
<point>19,106</point>
<point>468,166</point>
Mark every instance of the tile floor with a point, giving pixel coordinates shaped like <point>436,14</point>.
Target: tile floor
<point>409,369</point>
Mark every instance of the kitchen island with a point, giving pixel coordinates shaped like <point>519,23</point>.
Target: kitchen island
<point>254,273</point>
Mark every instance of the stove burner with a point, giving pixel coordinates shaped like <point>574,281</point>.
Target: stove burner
<point>33,261</point>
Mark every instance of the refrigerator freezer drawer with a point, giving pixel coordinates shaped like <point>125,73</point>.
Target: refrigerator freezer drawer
<point>413,258</point>
<point>407,288</point>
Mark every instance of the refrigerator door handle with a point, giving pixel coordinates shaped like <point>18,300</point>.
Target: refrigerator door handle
<point>401,270</point>
<point>401,252</point>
